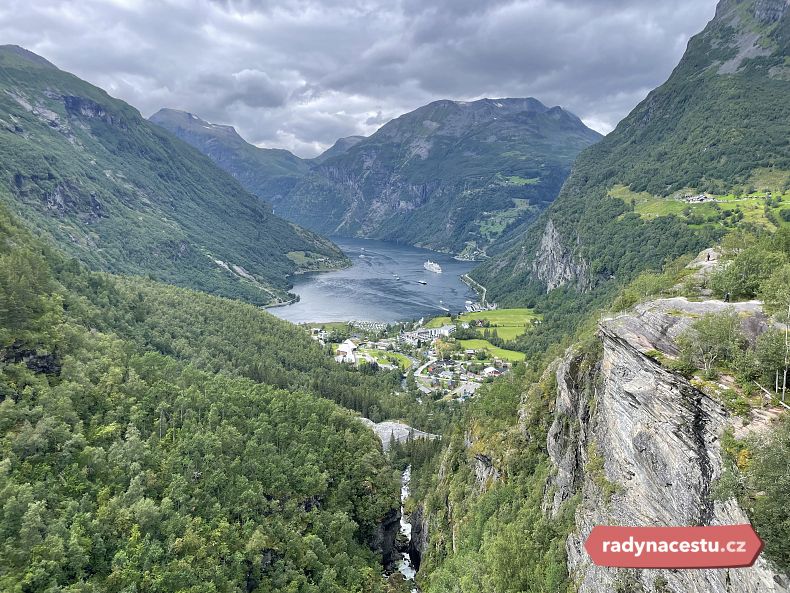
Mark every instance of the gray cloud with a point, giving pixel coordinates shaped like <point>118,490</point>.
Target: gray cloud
<point>298,74</point>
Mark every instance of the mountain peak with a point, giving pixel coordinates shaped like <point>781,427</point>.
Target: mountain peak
<point>170,118</point>
<point>742,32</point>
<point>27,55</point>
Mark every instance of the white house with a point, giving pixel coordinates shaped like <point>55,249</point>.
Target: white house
<point>346,352</point>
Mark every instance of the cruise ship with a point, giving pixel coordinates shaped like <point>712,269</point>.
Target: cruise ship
<point>432,266</point>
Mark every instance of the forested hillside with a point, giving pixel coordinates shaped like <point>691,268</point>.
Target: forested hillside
<point>125,196</point>
<point>137,456</point>
<point>268,173</point>
<point>538,457</point>
<point>717,130</point>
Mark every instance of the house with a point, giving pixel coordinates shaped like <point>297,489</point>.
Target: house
<point>491,372</point>
<point>346,352</point>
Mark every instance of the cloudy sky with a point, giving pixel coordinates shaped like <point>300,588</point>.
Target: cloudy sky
<point>299,74</point>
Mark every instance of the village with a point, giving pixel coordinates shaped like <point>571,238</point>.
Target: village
<point>442,358</point>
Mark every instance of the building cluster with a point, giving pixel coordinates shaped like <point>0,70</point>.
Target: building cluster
<point>425,335</point>
<point>698,199</point>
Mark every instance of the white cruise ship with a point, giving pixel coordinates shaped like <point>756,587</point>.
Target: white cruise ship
<point>432,266</point>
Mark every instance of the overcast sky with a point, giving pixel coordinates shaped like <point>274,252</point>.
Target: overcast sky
<point>299,74</point>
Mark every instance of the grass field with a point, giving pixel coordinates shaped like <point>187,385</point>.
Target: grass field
<point>508,323</point>
<point>509,355</point>
<point>752,205</point>
<point>330,325</point>
<point>385,357</point>
<point>493,226</point>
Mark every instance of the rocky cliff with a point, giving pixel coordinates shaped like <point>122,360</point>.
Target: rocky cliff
<point>555,264</point>
<point>641,445</point>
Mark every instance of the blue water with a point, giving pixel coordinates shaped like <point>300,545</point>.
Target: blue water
<point>369,291</point>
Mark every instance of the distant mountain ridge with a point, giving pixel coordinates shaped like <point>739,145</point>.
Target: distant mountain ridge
<point>455,176</point>
<point>125,196</point>
<point>269,173</point>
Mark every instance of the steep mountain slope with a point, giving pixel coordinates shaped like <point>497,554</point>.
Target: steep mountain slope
<point>131,463</point>
<point>451,175</point>
<point>123,195</point>
<point>719,125</point>
<point>266,172</point>
<point>628,426</point>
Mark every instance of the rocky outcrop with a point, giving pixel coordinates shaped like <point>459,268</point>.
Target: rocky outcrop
<point>38,362</point>
<point>383,539</point>
<point>400,432</point>
<point>555,265</point>
<point>418,544</point>
<point>770,11</point>
<point>87,108</point>
<point>485,472</point>
<point>640,444</point>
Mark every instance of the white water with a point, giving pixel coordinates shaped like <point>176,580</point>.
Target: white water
<point>404,564</point>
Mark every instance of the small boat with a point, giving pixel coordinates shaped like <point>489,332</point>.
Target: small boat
<point>361,256</point>
<point>397,277</point>
<point>422,281</point>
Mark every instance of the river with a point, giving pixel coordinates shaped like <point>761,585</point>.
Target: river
<point>382,285</point>
<point>405,566</point>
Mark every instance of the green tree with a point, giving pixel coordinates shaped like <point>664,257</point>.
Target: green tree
<point>713,339</point>
<point>775,292</point>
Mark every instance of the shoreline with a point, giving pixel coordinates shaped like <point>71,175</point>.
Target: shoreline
<point>476,286</point>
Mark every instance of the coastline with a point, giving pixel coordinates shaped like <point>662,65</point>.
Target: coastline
<point>476,286</point>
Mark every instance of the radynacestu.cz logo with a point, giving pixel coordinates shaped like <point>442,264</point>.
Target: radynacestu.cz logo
<point>715,546</point>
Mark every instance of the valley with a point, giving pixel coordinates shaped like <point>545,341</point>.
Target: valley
<point>430,358</point>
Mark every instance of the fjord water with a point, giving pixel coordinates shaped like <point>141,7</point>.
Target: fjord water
<point>382,285</point>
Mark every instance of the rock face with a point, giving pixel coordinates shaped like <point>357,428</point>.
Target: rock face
<point>641,445</point>
<point>383,540</point>
<point>419,536</point>
<point>555,265</point>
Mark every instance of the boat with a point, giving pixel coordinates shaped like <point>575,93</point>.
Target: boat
<point>432,266</point>
<point>397,277</point>
<point>422,281</point>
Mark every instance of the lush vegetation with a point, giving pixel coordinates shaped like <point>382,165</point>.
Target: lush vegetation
<point>268,173</point>
<point>138,455</point>
<point>704,130</point>
<point>494,535</point>
<point>758,475</point>
<point>125,196</point>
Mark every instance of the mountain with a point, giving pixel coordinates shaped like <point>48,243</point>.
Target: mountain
<point>266,172</point>
<point>342,146</point>
<point>124,195</point>
<point>717,129</point>
<point>158,437</point>
<point>454,176</point>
